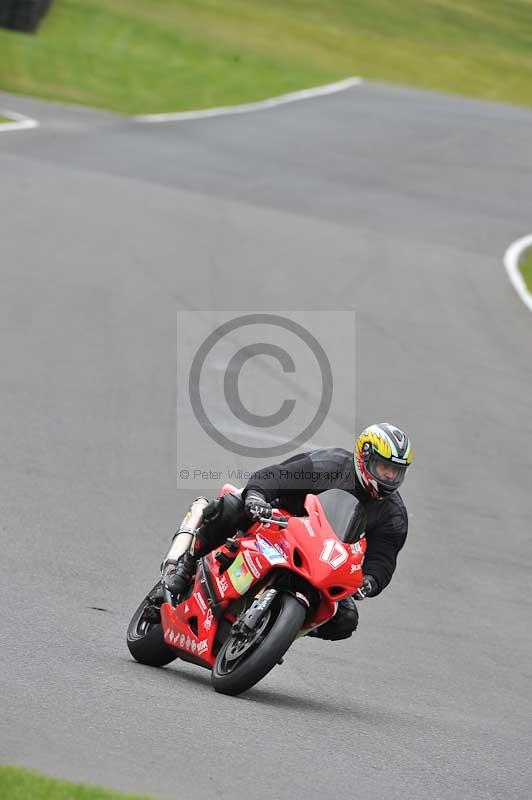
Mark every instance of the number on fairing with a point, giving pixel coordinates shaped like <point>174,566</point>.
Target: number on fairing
<point>333,553</point>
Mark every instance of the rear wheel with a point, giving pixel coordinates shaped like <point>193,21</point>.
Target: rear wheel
<point>242,662</point>
<point>145,634</point>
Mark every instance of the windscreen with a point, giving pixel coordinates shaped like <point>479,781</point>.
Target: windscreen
<point>345,514</point>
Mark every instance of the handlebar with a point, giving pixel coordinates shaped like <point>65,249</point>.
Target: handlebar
<point>282,522</point>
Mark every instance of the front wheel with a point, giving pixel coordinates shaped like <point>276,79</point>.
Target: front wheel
<point>240,664</point>
<point>145,635</point>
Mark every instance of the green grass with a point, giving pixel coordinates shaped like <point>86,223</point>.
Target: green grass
<point>4,119</point>
<point>525,265</point>
<point>159,55</point>
<point>17,783</point>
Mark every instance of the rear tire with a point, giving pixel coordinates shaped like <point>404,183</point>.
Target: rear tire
<point>145,639</point>
<point>269,651</point>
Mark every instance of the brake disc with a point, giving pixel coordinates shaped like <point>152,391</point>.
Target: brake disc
<point>240,643</point>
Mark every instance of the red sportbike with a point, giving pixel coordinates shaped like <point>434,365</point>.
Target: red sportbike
<point>254,595</point>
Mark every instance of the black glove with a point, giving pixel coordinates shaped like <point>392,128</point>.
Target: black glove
<point>368,588</point>
<point>256,505</point>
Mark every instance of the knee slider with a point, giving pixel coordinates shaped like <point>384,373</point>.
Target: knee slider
<point>347,615</point>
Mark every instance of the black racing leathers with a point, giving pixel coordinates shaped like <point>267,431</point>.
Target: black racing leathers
<point>333,468</point>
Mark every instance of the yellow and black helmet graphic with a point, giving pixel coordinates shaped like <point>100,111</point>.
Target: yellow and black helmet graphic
<point>382,455</point>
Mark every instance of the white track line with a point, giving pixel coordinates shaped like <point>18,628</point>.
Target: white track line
<point>261,105</point>
<point>511,262</point>
<point>20,122</point>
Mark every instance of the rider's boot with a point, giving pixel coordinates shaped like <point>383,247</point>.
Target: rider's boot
<point>178,574</point>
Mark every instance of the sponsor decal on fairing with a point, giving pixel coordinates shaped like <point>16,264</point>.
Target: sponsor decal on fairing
<point>202,647</point>
<point>207,622</point>
<point>269,551</point>
<point>239,575</point>
<point>251,564</point>
<point>334,553</point>
<point>200,601</point>
<point>223,585</point>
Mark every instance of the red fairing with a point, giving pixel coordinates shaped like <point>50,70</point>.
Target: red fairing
<point>308,546</point>
<point>228,488</point>
<point>190,627</point>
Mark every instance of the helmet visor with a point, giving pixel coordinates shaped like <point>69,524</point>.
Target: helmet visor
<point>389,474</point>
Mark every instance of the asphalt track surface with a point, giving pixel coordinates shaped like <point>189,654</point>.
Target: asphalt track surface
<point>393,202</point>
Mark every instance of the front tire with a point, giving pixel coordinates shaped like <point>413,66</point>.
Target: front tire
<point>235,677</point>
<point>145,638</point>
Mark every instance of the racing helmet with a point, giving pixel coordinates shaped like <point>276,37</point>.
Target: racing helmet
<point>382,456</point>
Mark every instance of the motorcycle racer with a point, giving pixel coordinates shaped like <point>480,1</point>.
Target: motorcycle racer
<point>373,474</point>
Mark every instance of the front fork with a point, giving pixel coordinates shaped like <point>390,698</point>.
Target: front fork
<point>251,618</point>
<point>246,623</point>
